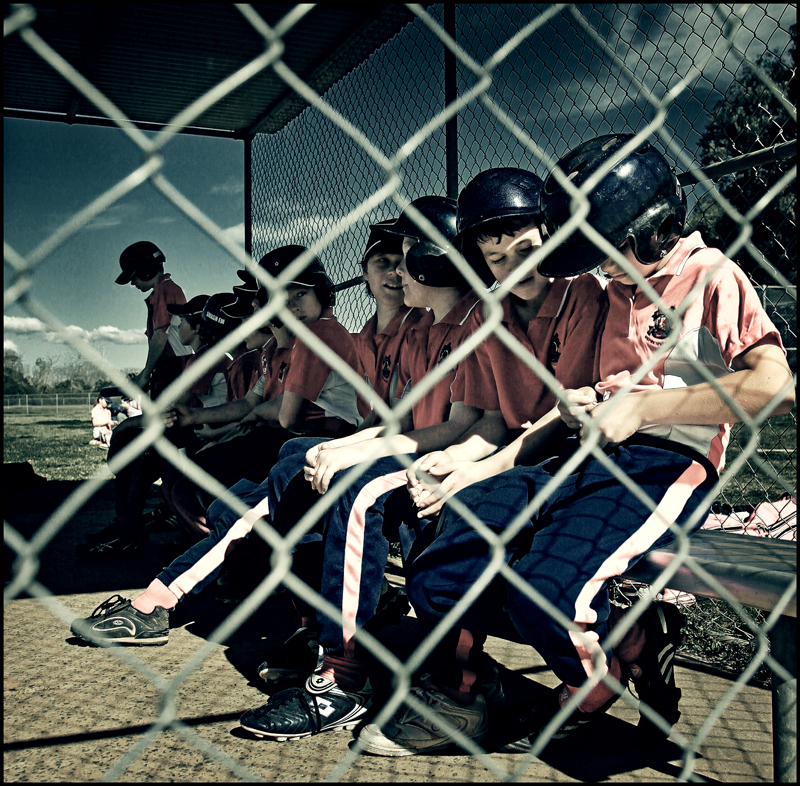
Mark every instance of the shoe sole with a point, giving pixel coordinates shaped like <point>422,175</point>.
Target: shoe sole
<point>123,642</point>
<point>349,726</point>
<point>382,746</point>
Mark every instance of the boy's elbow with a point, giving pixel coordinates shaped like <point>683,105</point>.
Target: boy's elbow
<point>787,402</point>
<point>289,421</point>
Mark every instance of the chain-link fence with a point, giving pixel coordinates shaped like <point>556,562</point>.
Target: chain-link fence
<point>708,85</point>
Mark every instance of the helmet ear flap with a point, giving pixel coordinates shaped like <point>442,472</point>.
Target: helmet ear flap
<point>657,230</point>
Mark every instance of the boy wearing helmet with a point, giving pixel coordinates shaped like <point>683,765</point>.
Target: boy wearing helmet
<point>558,322</point>
<point>142,266</point>
<point>384,333</point>
<point>354,546</point>
<point>659,422</point>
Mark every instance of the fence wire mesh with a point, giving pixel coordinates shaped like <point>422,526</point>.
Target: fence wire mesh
<point>709,85</point>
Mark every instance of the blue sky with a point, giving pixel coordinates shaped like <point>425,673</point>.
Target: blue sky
<point>53,170</point>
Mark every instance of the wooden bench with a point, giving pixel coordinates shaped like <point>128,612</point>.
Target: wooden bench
<point>757,572</point>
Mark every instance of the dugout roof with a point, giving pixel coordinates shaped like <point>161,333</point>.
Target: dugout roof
<point>153,60</point>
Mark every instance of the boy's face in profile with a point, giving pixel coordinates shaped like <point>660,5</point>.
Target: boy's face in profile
<point>506,253</point>
<point>414,293</point>
<point>615,273</point>
<point>142,284</point>
<point>186,332</point>
<point>383,280</point>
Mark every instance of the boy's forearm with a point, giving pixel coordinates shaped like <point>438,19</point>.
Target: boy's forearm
<point>527,443</point>
<point>154,351</point>
<point>223,413</point>
<point>438,436</point>
<point>481,440</point>
<point>752,388</point>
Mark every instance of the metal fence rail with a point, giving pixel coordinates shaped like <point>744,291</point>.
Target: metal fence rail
<point>532,81</point>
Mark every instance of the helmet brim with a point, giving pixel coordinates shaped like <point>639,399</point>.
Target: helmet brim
<point>571,259</point>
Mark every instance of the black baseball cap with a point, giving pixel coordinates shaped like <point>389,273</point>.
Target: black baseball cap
<point>139,256</point>
<point>215,316</point>
<point>193,308</point>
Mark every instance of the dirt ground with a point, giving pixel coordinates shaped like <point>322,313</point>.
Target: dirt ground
<point>74,712</point>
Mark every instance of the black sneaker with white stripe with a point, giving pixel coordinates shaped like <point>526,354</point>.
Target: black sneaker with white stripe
<point>115,621</point>
<point>655,686</point>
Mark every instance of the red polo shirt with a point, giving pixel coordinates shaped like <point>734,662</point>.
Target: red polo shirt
<point>563,337</point>
<point>378,352</point>
<point>164,293</point>
<point>427,346</point>
<point>720,322</point>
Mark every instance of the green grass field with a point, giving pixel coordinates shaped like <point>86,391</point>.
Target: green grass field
<point>56,445</point>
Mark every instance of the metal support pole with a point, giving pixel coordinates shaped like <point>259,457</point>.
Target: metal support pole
<point>248,195</point>
<point>450,94</point>
<point>783,647</point>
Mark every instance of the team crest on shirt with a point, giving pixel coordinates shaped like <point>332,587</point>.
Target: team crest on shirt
<point>659,329</point>
<point>444,353</point>
<point>386,366</point>
<point>554,352</point>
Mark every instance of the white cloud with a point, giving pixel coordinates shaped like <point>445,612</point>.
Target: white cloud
<point>10,346</point>
<point>236,234</point>
<point>30,325</point>
<point>231,187</point>
<point>22,325</point>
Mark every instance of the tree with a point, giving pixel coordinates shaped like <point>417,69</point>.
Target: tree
<point>15,381</point>
<point>748,119</point>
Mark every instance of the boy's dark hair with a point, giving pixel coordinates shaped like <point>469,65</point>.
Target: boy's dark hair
<point>195,320</point>
<point>325,292</point>
<point>506,225</point>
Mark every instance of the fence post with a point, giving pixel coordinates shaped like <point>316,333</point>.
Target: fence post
<point>56,403</point>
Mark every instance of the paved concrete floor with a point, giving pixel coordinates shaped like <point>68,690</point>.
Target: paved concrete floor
<point>72,712</point>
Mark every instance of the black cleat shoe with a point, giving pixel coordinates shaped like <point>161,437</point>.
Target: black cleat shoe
<point>115,621</point>
<point>321,705</point>
<point>655,686</point>
<point>520,725</point>
<point>293,661</point>
<point>113,545</point>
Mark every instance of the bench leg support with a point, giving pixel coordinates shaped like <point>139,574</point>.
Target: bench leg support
<point>783,647</point>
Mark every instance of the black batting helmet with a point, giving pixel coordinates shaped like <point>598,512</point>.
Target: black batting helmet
<point>440,211</point>
<point>491,195</point>
<point>427,262</point>
<point>639,198</point>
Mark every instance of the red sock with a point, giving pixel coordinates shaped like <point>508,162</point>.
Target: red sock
<point>348,673</point>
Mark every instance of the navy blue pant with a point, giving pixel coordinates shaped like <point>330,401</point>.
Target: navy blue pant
<point>590,529</point>
<point>353,532</point>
